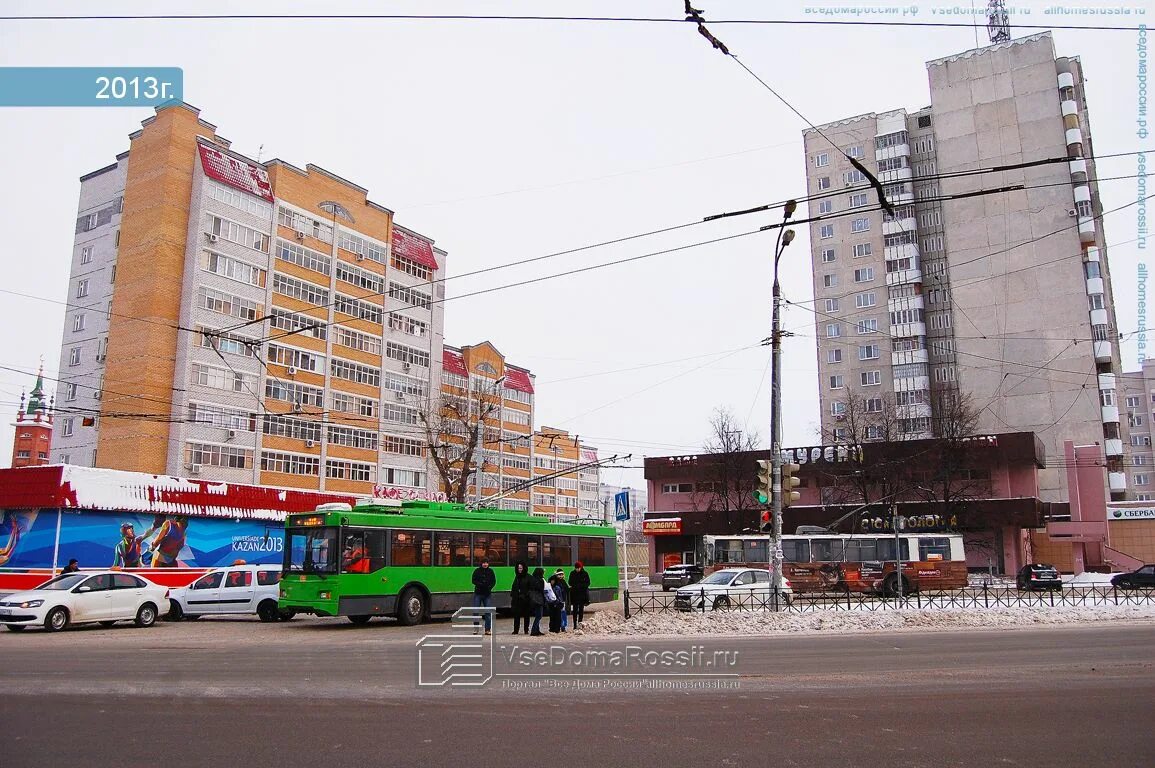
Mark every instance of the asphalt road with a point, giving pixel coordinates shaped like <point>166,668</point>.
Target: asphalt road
<point>317,693</point>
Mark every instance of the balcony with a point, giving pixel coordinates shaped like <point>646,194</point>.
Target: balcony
<point>916,411</point>
<point>1110,414</point>
<point>904,251</point>
<point>906,302</point>
<point>1075,139</point>
<point>1069,107</point>
<point>1106,380</point>
<point>904,276</point>
<point>1103,352</point>
<point>1082,194</point>
<point>1078,170</point>
<point>911,383</point>
<point>1086,230</point>
<point>898,174</point>
<point>1117,482</point>
<point>903,330</point>
<point>1066,80</point>
<point>895,226</point>
<point>1094,285</point>
<point>909,356</point>
<point>1099,317</point>
<point>898,150</point>
<point>1092,254</point>
<point>1113,447</point>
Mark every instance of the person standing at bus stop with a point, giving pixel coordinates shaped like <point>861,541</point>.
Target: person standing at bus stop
<point>484,581</point>
<point>579,593</point>
<point>519,600</point>
<point>537,599</point>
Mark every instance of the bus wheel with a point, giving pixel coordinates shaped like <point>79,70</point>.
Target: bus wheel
<point>411,607</point>
<point>359,620</point>
<point>890,587</point>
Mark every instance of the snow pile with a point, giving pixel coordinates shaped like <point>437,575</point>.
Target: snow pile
<point>765,623</point>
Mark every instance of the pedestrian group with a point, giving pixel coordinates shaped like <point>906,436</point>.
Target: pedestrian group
<point>534,596</point>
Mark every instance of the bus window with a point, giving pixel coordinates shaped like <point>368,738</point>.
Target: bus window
<point>728,550</point>
<point>861,550</point>
<point>375,548</point>
<point>795,551</point>
<point>592,550</point>
<point>525,548</point>
<point>410,548</point>
<point>490,545</point>
<point>755,551</point>
<point>933,549</point>
<point>452,548</point>
<point>827,550</point>
<point>556,550</point>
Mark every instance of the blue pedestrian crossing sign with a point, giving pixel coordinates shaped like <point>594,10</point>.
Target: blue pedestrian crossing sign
<point>622,506</point>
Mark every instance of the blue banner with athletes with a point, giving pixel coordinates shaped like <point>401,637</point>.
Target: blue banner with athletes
<point>104,539</point>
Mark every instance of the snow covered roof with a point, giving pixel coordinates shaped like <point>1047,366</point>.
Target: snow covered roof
<point>63,486</point>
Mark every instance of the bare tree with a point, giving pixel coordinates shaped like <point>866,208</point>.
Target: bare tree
<point>729,474</point>
<point>955,476</point>
<point>457,427</point>
<point>867,417</point>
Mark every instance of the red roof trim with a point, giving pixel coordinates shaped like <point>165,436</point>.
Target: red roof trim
<point>235,173</point>
<point>414,248</point>
<point>518,380</point>
<point>452,362</point>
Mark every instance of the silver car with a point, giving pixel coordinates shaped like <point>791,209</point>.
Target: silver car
<point>732,588</point>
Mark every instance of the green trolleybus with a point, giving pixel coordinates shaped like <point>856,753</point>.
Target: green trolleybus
<point>416,559</point>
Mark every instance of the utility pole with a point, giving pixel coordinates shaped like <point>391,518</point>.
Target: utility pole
<point>784,238</point>
<point>897,549</point>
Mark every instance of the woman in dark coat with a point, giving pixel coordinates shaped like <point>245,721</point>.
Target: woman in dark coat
<point>579,592</point>
<point>537,599</point>
<point>519,601</point>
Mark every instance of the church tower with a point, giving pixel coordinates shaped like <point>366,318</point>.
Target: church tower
<point>33,428</point>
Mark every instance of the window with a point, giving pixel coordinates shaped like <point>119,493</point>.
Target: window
<point>942,348</point>
<point>228,456</point>
<point>228,342</point>
<point>347,305</point>
<point>556,550</point>
<point>834,355</point>
<point>825,206</point>
<point>872,405</point>
<point>411,478</point>
<point>912,397</point>
<point>233,269</point>
<point>868,352</point>
<point>898,238</point>
<point>870,378</point>
<point>74,356</point>
<point>1138,440</point>
<point>1140,460</point>
<point>351,437</point>
<point>822,159</point>
<point>350,371</point>
<point>1083,207</point>
<point>24,454</point>
<point>237,233</point>
<point>944,374</point>
<point>907,344</point>
<point>290,463</point>
<point>855,152</point>
<point>833,331</point>
<point>1092,269</point>
<point>347,337</point>
<point>407,325</point>
<point>906,316</point>
<point>408,355</point>
<point>822,182</point>
<point>837,408</point>
<point>299,289</point>
<point>410,296</point>
<point>678,488</point>
<point>864,300</point>
<point>303,257</point>
<point>1134,401</point>
<point>66,426</point>
<point>239,200</point>
<point>862,249</point>
<point>226,304</point>
<point>864,275</point>
<point>910,370</point>
<point>890,140</point>
<point>867,326</point>
<point>939,320</point>
<point>302,325</point>
<point>829,281</point>
<point>1096,301</point>
<point>81,288</point>
<point>402,446</point>
<point>78,322</point>
<point>826,231</point>
<point>1134,420</point>
<point>827,255</point>
<point>930,244</point>
<point>411,548</point>
<point>854,177</point>
<point>86,254</point>
<point>1141,479</point>
<point>832,305</point>
<point>222,416</point>
<point>859,200</point>
<point>286,426</point>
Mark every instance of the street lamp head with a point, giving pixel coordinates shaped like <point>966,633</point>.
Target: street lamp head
<point>787,237</point>
<point>789,209</point>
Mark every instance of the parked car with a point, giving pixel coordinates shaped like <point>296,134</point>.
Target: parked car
<point>1141,577</point>
<point>681,575</point>
<point>236,589</point>
<point>731,587</point>
<point>1038,576</point>
<point>84,598</point>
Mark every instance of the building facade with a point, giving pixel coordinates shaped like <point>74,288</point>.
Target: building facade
<point>1002,297</point>
<point>32,443</point>
<point>245,322</point>
<point>1138,392</point>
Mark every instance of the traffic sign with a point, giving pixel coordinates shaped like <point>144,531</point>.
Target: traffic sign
<point>622,506</point>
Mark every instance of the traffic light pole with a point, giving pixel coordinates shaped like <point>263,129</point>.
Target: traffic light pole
<point>776,407</point>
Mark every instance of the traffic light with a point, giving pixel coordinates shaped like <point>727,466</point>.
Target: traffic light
<point>767,521</point>
<point>765,481</point>
<point>789,483</point>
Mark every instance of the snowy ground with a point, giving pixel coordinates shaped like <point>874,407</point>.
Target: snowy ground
<point>768,623</point>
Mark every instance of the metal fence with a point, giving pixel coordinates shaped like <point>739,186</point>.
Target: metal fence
<point>981,597</point>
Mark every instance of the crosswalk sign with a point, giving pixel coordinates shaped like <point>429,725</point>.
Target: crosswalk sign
<point>622,506</point>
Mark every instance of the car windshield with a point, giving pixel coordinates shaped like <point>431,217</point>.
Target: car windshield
<point>67,581</point>
<point>721,577</point>
<point>312,550</point>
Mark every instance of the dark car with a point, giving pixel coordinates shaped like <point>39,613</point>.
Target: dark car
<point>680,575</point>
<point>1038,576</point>
<point>1143,577</point>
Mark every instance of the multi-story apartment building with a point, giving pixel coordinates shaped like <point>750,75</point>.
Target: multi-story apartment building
<point>573,494</point>
<point>1139,457</point>
<point>1004,296</point>
<point>245,322</point>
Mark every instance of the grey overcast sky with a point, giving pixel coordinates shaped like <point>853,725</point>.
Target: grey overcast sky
<point>507,140</point>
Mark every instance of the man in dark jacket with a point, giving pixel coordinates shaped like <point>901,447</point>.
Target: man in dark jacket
<point>484,581</point>
<point>519,600</point>
<point>537,599</point>
<point>579,592</point>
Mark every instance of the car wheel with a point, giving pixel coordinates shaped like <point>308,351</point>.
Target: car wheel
<point>56,620</point>
<point>146,615</point>
<point>411,607</point>
<point>16,627</point>
<point>360,620</point>
<point>175,612</point>
<point>286,615</point>
<point>721,602</point>
<point>267,610</point>
<point>107,624</point>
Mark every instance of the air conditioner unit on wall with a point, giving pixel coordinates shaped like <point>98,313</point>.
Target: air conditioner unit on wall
<point>292,370</point>
<point>232,433</point>
<point>96,394</point>
<point>406,366</point>
<point>400,395</point>
<point>300,234</point>
<point>212,238</point>
<point>194,469</point>
<point>309,443</point>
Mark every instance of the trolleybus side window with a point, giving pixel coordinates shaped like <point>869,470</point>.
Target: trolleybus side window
<point>827,550</point>
<point>555,550</point>
<point>591,550</point>
<point>861,550</point>
<point>452,548</point>
<point>933,548</point>
<point>796,551</point>
<point>525,548</point>
<point>728,550</point>
<point>755,551</point>
<point>490,545</point>
<point>410,548</point>
<point>375,547</point>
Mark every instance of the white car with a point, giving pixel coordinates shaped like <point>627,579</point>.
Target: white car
<point>83,598</point>
<point>732,588</point>
<point>237,589</point>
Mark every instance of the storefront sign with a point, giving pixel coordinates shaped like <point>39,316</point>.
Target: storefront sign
<point>913,523</point>
<point>666,526</point>
<point>1133,513</point>
<point>407,494</point>
<point>823,454</point>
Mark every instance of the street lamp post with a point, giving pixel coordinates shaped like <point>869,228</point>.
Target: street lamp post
<point>894,521</point>
<point>785,236</point>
